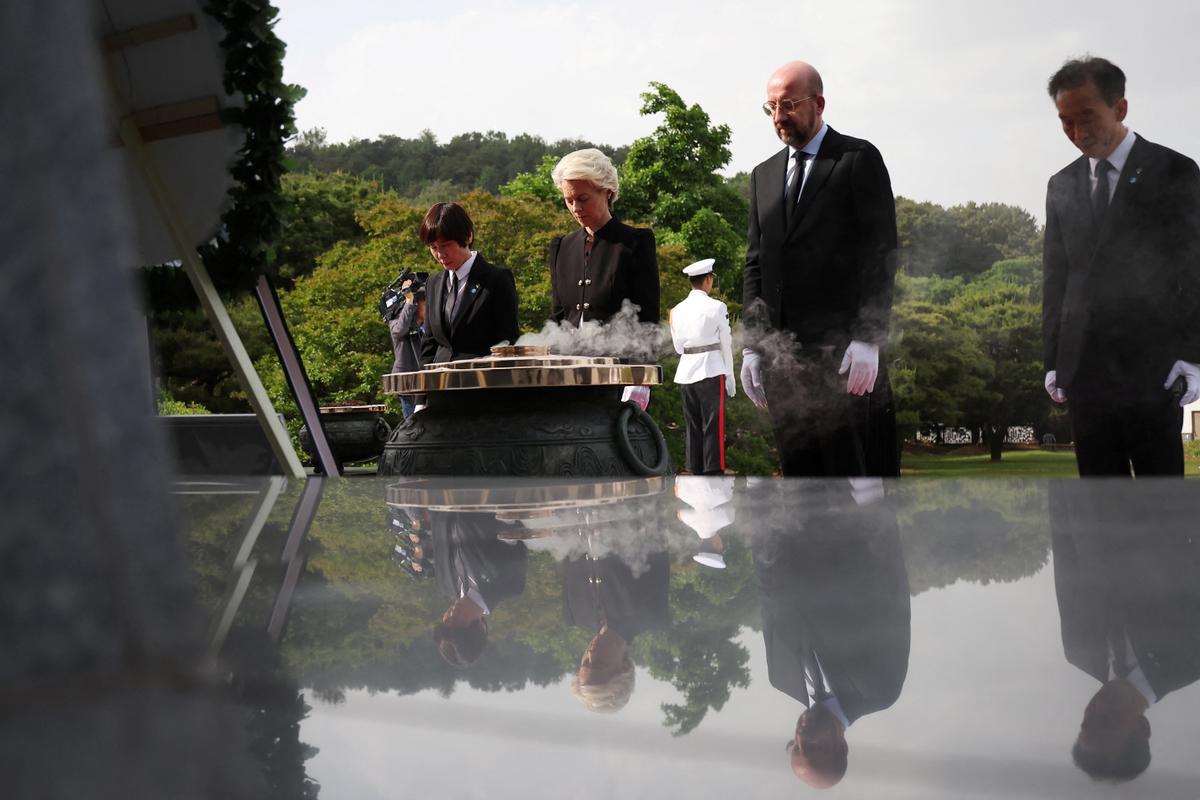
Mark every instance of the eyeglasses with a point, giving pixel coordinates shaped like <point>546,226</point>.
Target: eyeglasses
<point>787,105</point>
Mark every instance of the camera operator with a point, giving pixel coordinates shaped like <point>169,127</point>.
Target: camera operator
<point>407,327</point>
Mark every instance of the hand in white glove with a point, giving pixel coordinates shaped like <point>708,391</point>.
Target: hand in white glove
<point>862,362</point>
<point>752,378</point>
<point>638,395</point>
<point>1051,383</point>
<point>1191,374</point>
<point>730,386</point>
<point>418,407</point>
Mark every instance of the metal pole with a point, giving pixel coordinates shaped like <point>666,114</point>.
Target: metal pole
<point>297,376</point>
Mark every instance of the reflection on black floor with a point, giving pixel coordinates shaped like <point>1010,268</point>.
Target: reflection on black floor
<point>712,610</point>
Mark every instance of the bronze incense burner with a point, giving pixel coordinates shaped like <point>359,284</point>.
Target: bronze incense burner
<point>525,412</point>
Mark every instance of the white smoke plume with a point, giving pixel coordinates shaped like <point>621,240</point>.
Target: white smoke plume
<point>622,336</point>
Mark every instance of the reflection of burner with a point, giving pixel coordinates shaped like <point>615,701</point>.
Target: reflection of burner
<point>519,501</point>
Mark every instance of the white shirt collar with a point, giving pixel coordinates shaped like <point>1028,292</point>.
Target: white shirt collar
<point>465,270</point>
<point>475,597</point>
<point>814,144</point>
<point>1142,684</point>
<point>1117,157</point>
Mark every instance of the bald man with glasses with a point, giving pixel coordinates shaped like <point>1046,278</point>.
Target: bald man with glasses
<point>820,268</point>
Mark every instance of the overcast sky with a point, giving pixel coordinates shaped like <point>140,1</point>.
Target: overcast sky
<point>952,92</point>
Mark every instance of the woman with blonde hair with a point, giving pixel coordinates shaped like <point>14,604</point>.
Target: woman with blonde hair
<point>605,262</point>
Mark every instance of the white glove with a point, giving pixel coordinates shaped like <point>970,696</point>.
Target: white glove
<point>730,386</point>
<point>752,378</point>
<point>1056,394</point>
<point>862,361</point>
<point>1191,374</point>
<point>638,395</point>
<point>418,407</point>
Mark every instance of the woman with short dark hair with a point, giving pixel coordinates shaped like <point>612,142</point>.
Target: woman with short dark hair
<point>471,305</point>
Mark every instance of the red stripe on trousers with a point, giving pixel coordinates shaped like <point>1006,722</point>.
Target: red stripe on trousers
<point>721,420</point>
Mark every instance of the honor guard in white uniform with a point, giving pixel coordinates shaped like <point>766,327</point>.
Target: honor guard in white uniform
<point>700,333</point>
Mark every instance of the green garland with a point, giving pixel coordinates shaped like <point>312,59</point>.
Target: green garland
<point>246,245</point>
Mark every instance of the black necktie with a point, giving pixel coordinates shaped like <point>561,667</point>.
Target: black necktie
<point>451,296</point>
<point>793,193</point>
<point>1101,192</point>
<point>812,674</point>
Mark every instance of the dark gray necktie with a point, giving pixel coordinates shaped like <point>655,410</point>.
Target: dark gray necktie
<point>793,192</point>
<point>1101,192</point>
<point>451,296</point>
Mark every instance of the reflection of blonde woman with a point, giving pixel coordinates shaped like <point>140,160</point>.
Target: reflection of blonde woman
<point>605,679</point>
<point>604,595</point>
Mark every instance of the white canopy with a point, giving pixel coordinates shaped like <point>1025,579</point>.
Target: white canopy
<point>166,68</point>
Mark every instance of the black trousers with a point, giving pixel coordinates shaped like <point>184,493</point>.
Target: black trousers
<point>823,431</point>
<point>704,416</point>
<point>1113,434</point>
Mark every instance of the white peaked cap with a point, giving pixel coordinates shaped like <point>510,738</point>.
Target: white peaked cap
<point>701,267</point>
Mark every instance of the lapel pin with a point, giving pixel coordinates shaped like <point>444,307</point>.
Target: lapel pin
<point>1136,173</point>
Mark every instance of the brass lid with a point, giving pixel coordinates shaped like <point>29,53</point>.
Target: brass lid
<point>512,367</point>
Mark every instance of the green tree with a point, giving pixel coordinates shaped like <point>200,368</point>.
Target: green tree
<point>963,240</point>
<point>671,178</point>
<point>1009,326</point>
<point>538,183</point>
<point>938,367</point>
<point>321,212</point>
<point>469,161</point>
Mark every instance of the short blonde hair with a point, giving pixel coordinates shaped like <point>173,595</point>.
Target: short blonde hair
<point>587,165</point>
<point>609,697</point>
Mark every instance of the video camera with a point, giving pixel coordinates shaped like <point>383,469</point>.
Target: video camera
<point>393,296</point>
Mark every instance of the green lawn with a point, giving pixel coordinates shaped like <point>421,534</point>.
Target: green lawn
<point>1014,464</point>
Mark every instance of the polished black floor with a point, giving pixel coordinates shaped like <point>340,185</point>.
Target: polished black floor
<point>706,638</point>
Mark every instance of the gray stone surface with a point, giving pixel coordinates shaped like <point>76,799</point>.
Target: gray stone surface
<point>98,653</point>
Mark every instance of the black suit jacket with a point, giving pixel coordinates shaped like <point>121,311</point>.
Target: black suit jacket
<point>832,581</point>
<point>623,265</point>
<point>1117,566</point>
<point>466,550</point>
<point>606,591</point>
<point>826,277</point>
<point>486,315</point>
<point>1121,304</point>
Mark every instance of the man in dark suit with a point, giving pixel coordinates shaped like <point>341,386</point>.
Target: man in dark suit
<point>835,612</point>
<point>1122,281</point>
<point>820,267</point>
<point>471,305</point>
<point>1127,577</point>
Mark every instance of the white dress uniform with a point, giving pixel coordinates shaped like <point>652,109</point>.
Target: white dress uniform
<point>710,508</point>
<point>700,333</point>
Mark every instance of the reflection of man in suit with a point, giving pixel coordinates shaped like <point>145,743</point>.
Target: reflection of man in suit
<point>1122,281</point>
<point>835,605</point>
<point>820,266</point>
<point>471,304</point>
<point>1129,599</point>
<point>606,595</point>
<point>479,571</point>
